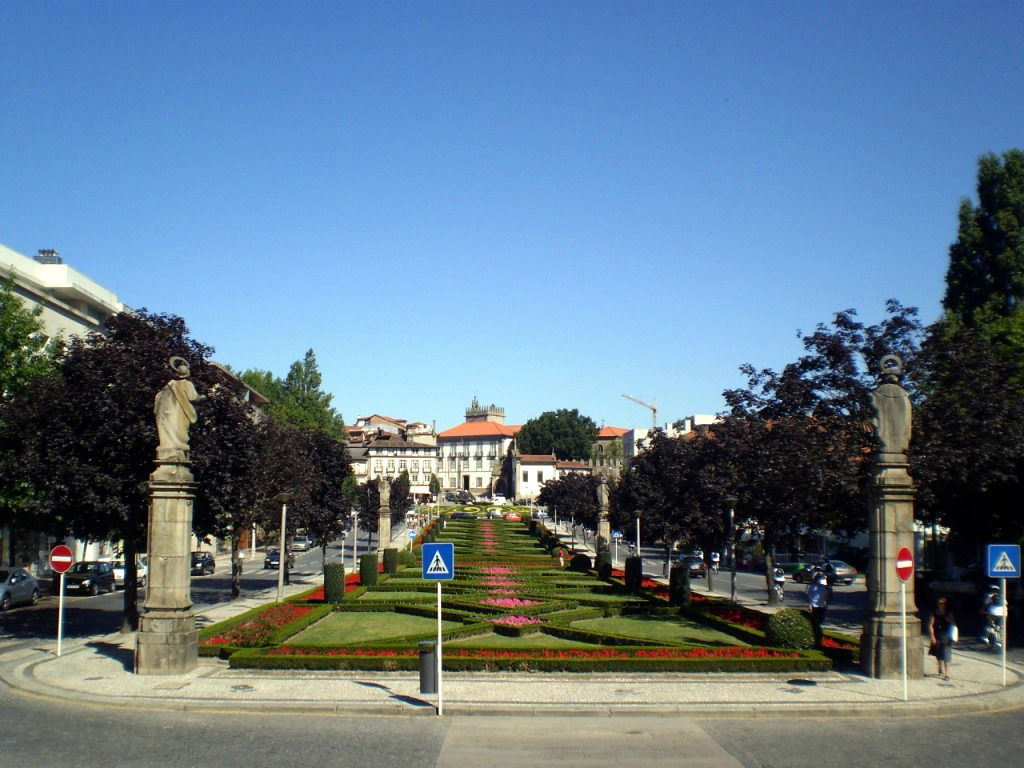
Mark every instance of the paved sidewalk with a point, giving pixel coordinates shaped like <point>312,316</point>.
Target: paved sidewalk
<point>98,671</point>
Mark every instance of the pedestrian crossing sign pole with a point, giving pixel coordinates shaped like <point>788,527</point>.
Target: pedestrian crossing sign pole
<point>1003,564</point>
<point>439,565</point>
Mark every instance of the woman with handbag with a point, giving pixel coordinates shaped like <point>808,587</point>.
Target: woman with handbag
<point>941,628</point>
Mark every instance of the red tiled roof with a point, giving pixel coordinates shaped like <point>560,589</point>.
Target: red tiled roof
<point>536,458</point>
<point>612,432</point>
<point>572,465</point>
<point>480,429</point>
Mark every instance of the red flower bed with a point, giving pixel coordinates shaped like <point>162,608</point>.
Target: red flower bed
<point>541,653</point>
<point>257,630</point>
<point>735,614</point>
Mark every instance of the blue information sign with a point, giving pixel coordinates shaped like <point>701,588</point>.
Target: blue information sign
<point>1003,561</point>
<point>439,561</point>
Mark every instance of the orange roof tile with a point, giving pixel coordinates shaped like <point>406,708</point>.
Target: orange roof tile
<point>479,429</point>
<point>612,432</point>
<point>537,458</point>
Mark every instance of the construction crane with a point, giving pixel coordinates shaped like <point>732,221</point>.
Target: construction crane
<point>654,409</point>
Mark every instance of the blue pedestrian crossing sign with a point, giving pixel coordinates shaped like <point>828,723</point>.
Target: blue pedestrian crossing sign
<point>439,561</point>
<point>1004,561</point>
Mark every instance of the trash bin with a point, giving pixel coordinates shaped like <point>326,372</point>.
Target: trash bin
<point>428,666</point>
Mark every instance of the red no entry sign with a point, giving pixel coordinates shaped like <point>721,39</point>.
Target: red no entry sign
<point>905,564</point>
<point>61,558</point>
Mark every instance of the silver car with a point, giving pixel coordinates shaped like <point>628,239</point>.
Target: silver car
<point>17,586</point>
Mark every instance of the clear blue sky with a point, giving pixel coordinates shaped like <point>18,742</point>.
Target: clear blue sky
<point>545,204</point>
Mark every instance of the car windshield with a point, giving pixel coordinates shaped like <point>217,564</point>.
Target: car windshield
<point>83,568</point>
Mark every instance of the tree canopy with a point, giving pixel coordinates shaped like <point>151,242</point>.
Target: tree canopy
<point>298,399</point>
<point>565,433</point>
<point>24,351</point>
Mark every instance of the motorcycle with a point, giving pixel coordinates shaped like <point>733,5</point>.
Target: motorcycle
<point>779,583</point>
<point>992,633</point>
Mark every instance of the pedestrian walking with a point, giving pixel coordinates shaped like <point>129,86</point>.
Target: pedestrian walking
<point>818,596</point>
<point>941,629</point>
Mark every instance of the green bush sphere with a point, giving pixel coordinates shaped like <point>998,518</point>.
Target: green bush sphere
<point>580,562</point>
<point>603,564</point>
<point>334,582</point>
<point>368,569</point>
<point>391,561</point>
<point>789,628</point>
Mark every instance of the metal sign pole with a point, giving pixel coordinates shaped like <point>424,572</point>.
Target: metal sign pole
<point>903,635</point>
<point>60,614</point>
<point>1002,588</point>
<point>440,702</point>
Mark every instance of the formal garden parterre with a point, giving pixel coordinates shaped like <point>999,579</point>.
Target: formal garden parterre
<point>512,606</point>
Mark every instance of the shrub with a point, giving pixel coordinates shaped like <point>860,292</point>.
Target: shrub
<point>789,628</point>
<point>391,561</point>
<point>334,582</point>
<point>634,573</point>
<point>580,563</point>
<point>679,586</point>
<point>603,564</point>
<point>368,568</point>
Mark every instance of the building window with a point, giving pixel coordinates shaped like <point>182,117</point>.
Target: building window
<point>415,479</point>
<point>401,466</point>
<point>526,477</point>
<point>540,477</point>
<point>479,462</point>
<point>427,467</point>
<point>415,466</point>
<point>378,465</point>
<point>479,483</point>
<point>391,466</point>
<point>452,482</point>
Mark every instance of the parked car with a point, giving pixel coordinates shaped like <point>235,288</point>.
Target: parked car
<point>273,559</point>
<point>465,497</point>
<point>17,586</point>
<point>303,543</point>
<point>513,517</point>
<point>141,572</point>
<point>494,514</point>
<point>90,576</point>
<point>463,515</point>
<point>695,565</point>
<point>540,514</point>
<point>451,497</point>
<point>499,500</point>
<point>203,564</point>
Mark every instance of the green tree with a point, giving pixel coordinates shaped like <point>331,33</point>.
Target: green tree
<point>574,496</point>
<point>298,400</point>
<point>985,278</point>
<point>24,352</point>
<point>565,433</point>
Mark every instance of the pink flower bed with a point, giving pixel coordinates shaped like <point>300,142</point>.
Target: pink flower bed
<point>517,621</point>
<point>508,602</point>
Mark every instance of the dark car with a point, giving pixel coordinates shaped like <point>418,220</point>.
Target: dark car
<point>90,576</point>
<point>838,572</point>
<point>17,586</point>
<point>273,559</point>
<point>451,497</point>
<point>695,564</point>
<point>463,516</point>
<point>203,564</point>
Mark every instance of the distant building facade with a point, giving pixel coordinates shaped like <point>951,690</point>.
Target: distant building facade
<point>474,455</point>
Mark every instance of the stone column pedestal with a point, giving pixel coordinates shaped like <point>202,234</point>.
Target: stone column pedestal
<point>168,641</point>
<point>383,528</point>
<point>890,529</point>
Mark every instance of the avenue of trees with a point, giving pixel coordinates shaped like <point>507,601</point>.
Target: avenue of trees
<point>78,440</point>
<point>791,453</point>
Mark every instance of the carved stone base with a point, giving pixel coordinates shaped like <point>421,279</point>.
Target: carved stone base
<point>880,647</point>
<point>167,643</point>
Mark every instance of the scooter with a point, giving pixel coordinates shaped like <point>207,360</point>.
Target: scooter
<point>779,583</point>
<point>992,632</point>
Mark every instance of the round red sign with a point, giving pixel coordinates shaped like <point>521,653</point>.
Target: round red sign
<point>61,558</point>
<point>905,564</point>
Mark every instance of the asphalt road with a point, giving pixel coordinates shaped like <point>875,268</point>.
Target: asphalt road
<point>37,731</point>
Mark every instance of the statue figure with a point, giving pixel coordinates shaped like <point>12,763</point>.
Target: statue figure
<point>892,408</point>
<point>175,413</point>
<point>384,491</point>
<point>602,492</point>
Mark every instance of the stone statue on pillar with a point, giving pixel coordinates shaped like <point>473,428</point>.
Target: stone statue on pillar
<point>167,643</point>
<point>604,530</point>
<point>891,527</point>
<point>384,513</point>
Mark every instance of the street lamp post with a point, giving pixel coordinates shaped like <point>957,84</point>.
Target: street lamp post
<point>282,562</point>
<point>355,540</point>
<point>731,533</point>
<point>637,533</point>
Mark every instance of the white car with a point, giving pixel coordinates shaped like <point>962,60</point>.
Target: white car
<point>499,500</point>
<point>303,543</point>
<point>141,570</point>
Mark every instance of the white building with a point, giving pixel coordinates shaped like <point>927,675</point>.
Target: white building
<point>472,455</point>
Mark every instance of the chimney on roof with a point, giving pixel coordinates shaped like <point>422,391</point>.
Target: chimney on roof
<point>48,256</point>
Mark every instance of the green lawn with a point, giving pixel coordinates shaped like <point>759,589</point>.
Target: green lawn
<point>669,628</point>
<point>371,596</point>
<point>343,627</point>
<point>532,640</point>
